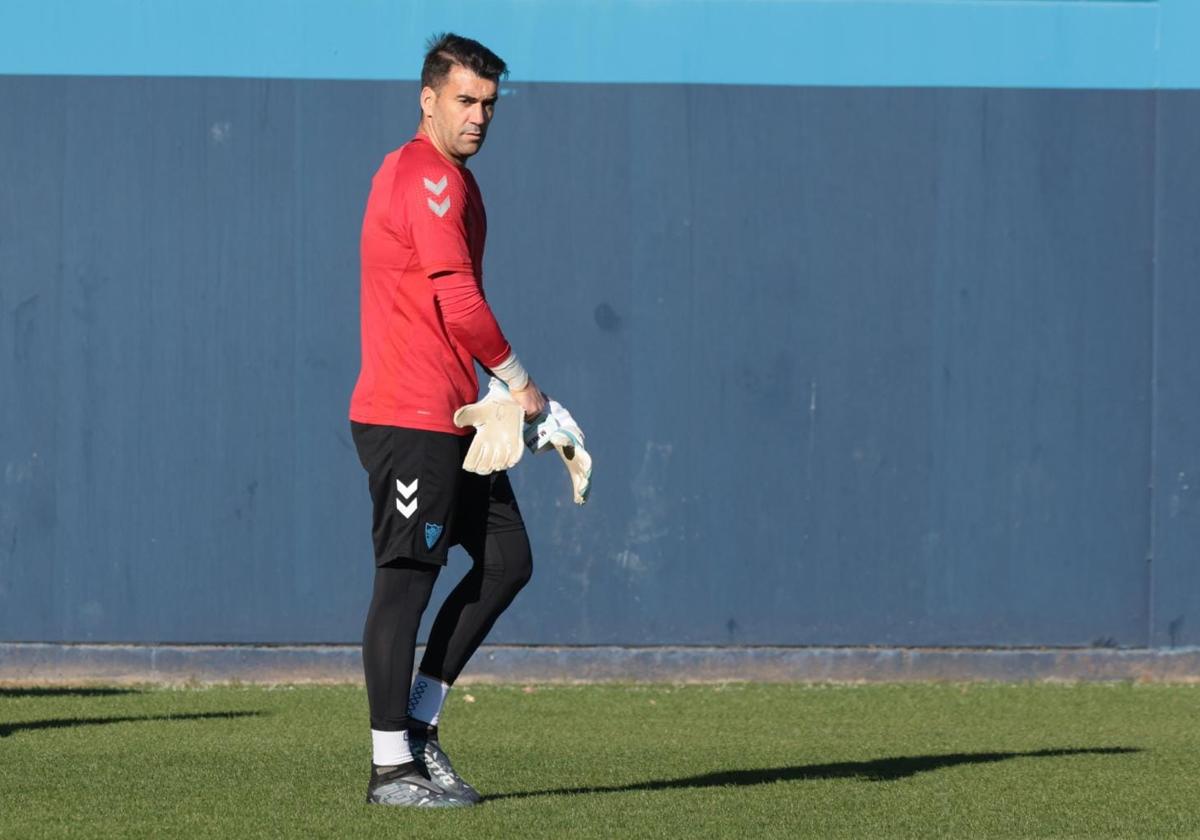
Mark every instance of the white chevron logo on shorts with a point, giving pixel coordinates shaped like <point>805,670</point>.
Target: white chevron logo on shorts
<point>439,209</point>
<point>406,491</point>
<point>437,188</point>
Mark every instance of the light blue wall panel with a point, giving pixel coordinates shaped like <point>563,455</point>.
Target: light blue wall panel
<point>959,43</point>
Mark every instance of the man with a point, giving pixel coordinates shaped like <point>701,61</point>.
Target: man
<point>424,324</point>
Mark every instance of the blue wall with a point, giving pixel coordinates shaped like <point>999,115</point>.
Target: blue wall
<point>877,359</point>
<point>960,43</point>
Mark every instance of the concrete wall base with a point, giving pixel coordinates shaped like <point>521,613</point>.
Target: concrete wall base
<point>46,664</point>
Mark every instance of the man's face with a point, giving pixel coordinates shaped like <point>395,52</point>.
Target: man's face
<point>456,116</point>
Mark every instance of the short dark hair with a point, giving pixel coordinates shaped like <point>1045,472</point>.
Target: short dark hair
<point>446,49</point>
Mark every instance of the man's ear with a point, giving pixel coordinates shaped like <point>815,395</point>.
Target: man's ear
<point>428,95</point>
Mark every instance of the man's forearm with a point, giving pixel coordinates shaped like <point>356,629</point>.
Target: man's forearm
<point>470,320</point>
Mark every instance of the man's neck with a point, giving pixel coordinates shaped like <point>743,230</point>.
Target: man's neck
<point>461,164</point>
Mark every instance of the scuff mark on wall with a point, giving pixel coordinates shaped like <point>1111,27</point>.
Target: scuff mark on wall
<point>812,438</point>
<point>24,318</point>
<point>220,132</point>
<point>651,520</point>
<point>1177,499</point>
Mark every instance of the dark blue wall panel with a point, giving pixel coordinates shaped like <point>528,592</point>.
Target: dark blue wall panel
<point>1176,544</point>
<point>857,366</point>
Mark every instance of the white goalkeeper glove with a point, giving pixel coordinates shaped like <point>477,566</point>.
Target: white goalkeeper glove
<point>499,422</point>
<point>557,428</point>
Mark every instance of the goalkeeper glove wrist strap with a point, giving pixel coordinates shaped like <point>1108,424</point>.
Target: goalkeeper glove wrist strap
<point>512,373</point>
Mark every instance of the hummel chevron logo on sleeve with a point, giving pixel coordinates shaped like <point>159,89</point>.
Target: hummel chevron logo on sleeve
<point>439,210</point>
<point>406,491</point>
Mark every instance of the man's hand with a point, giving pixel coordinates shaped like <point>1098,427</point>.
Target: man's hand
<point>530,398</point>
<point>498,426</point>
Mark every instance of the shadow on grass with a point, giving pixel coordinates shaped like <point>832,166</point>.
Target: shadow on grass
<point>7,729</point>
<point>878,770</point>
<point>63,691</point>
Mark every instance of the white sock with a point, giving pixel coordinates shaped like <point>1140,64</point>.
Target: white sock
<point>390,748</point>
<point>426,699</point>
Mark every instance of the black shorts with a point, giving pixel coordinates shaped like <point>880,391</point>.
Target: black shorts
<point>423,500</point>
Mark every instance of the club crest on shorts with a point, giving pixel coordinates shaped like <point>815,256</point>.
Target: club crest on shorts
<point>433,532</point>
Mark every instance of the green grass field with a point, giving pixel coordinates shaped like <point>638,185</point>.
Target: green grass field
<point>614,761</point>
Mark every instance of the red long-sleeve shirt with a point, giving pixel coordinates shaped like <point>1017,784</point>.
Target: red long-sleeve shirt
<point>424,317</point>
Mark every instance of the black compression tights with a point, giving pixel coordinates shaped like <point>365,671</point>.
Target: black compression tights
<point>502,565</point>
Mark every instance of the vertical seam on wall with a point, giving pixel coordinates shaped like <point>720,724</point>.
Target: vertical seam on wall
<point>689,110</point>
<point>1155,233</point>
<point>1156,198</point>
<point>300,274</point>
<point>57,615</point>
